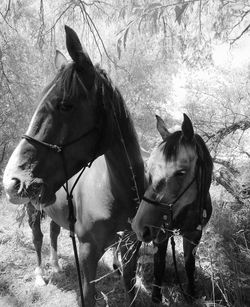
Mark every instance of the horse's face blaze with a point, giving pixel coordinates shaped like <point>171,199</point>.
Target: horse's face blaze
<point>66,111</point>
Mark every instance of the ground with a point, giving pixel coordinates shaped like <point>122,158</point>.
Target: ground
<point>18,260</point>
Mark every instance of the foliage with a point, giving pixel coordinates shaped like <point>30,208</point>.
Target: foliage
<point>167,57</point>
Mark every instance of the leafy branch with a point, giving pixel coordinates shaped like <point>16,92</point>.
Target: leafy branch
<point>242,125</point>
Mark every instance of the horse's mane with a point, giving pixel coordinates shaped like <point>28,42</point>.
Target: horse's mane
<point>112,98</point>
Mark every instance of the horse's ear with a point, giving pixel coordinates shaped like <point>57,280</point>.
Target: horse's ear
<point>60,60</point>
<point>187,128</point>
<point>80,56</point>
<point>161,127</point>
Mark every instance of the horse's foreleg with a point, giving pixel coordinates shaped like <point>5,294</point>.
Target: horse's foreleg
<point>129,248</point>
<point>190,242</point>
<point>89,257</point>
<point>54,233</point>
<point>34,218</point>
<point>159,269</point>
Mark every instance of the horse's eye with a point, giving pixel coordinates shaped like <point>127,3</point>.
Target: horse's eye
<point>180,173</point>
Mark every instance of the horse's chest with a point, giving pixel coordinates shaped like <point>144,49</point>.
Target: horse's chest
<point>186,220</point>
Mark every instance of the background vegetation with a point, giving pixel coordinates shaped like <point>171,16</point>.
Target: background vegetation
<point>167,57</point>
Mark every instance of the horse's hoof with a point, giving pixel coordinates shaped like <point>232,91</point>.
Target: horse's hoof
<point>39,282</point>
<point>156,295</point>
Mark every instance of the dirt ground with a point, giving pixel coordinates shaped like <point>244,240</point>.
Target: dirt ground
<point>18,261</point>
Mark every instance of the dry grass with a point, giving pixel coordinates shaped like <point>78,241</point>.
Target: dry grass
<point>18,260</point>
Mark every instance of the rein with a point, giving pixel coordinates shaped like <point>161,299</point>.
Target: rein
<point>71,217</point>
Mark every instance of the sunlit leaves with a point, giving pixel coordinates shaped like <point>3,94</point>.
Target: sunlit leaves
<point>179,10</point>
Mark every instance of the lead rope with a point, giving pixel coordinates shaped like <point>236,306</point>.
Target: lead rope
<point>185,295</point>
<point>175,266</point>
<point>72,221</point>
<point>173,249</point>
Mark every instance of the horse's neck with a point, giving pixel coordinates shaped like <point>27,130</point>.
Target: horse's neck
<point>123,157</point>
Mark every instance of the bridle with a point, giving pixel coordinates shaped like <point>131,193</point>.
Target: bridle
<point>59,148</point>
<point>168,208</point>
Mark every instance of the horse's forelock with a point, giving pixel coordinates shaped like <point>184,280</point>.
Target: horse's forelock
<point>70,81</point>
<point>173,144</point>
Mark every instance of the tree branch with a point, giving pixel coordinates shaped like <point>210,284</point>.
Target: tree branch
<point>227,164</point>
<point>232,186</point>
<point>8,9</point>
<point>58,18</point>
<point>223,132</point>
<point>242,33</point>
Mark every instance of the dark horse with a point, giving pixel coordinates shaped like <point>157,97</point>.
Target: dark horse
<point>85,116</point>
<point>177,197</point>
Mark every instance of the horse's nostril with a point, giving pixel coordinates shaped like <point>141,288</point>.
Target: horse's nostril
<point>146,234</point>
<point>13,186</point>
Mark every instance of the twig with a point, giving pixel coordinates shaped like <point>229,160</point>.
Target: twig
<point>4,18</point>
<point>82,8</point>
<point>58,18</point>
<point>8,9</point>
<point>242,33</point>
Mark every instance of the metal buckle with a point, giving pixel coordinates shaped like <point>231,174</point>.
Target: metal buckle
<point>56,148</point>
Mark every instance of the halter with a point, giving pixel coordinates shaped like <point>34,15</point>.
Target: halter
<point>168,207</point>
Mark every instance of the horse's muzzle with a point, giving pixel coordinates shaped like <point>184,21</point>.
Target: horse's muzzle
<point>14,191</point>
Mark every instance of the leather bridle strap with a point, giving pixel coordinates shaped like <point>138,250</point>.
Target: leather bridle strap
<point>164,205</point>
<point>59,148</point>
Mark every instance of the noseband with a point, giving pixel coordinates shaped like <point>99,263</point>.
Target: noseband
<point>58,148</point>
<point>168,208</point>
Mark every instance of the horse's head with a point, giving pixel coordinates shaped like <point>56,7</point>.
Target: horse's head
<point>174,170</point>
<point>69,118</point>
